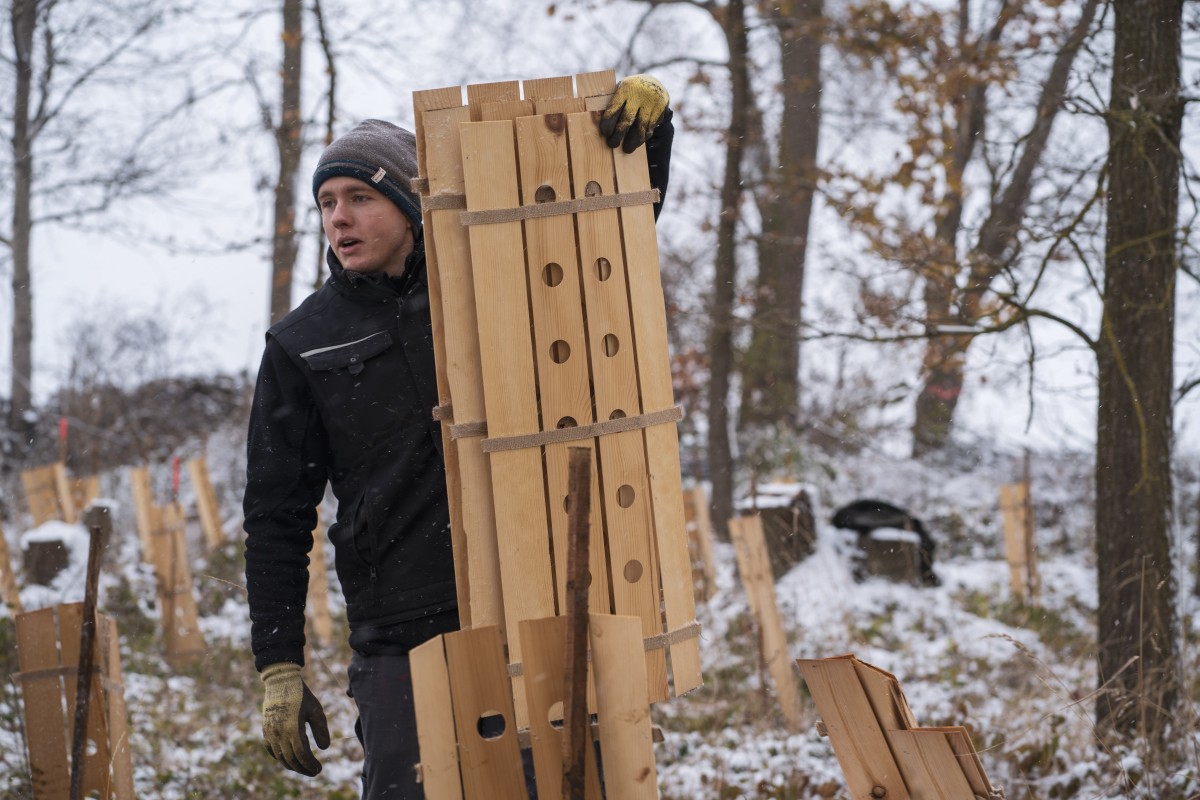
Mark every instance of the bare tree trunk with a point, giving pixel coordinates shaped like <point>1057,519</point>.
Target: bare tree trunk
<point>720,337</point>
<point>289,144</point>
<point>945,356</point>
<point>771,365</point>
<point>24,25</point>
<point>1137,627</point>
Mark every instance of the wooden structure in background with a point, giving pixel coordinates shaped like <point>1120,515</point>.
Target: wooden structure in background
<point>519,182</point>
<point>882,751</point>
<point>754,566</point>
<point>48,650</point>
<point>52,494</point>
<point>318,587</point>
<point>164,545</point>
<point>9,593</point>
<point>699,529</point>
<point>1017,513</point>
<point>206,502</point>
<point>460,678</point>
<point>891,553</point>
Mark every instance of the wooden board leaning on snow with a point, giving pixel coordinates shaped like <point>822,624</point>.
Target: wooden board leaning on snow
<point>511,286</point>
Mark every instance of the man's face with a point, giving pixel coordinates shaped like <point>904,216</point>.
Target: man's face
<point>368,232</point>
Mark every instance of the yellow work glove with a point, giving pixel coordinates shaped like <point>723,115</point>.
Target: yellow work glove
<point>633,112</point>
<point>287,707</point>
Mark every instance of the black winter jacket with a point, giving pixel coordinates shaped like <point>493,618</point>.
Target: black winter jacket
<point>344,394</point>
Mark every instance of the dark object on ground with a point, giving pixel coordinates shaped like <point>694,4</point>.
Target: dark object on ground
<point>865,516</point>
<point>44,559</point>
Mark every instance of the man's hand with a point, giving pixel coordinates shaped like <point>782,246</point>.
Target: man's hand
<point>633,112</point>
<point>287,707</point>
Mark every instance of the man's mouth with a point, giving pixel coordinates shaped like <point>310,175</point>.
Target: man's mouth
<point>347,243</point>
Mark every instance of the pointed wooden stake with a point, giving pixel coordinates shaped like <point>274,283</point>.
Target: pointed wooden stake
<point>575,716</point>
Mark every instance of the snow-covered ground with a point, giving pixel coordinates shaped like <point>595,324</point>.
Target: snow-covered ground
<point>1020,678</point>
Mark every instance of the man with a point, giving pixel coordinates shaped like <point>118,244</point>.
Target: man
<point>344,395</point>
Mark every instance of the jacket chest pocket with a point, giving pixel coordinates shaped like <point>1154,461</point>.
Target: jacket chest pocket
<point>362,385</point>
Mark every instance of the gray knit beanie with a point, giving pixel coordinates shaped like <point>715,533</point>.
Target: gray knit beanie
<point>381,155</point>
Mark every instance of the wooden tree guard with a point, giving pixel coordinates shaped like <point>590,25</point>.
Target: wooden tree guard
<point>699,528</point>
<point>48,651</point>
<point>181,628</point>
<point>875,737</point>
<point>460,677</point>
<point>48,491</point>
<point>149,516</point>
<point>1016,510</point>
<point>517,363</point>
<point>754,565</point>
<point>318,587</point>
<point>206,502</point>
<point>9,592</point>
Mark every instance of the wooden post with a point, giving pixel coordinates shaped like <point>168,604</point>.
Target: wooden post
<point>206,502</point>
<point>318,587</point>
<point>1035,582</point>
<point>1018,544</point>
<point>575,716</point>
<point>99,524</point>
<point>8,579</point>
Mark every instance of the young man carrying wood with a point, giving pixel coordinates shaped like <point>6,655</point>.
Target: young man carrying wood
<point>344,395</point>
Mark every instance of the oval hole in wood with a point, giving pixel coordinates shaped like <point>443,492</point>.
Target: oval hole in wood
<point>593,189</point>
<point>633,571</point>
<point>617,414</point>
<point>603,269</point>
<point>491,724</point>
<point>555,715</point>
<point>560,351</point>
<point>552,275</point>
<point>611,345</point>
<point>625,496</point>
<point>544,194</point>
<point>567,422</point>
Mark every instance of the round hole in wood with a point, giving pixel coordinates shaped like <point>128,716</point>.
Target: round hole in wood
<point>593,189</point>
<point>560,351</point>
<point>491,724</point>
<point>567,504</point>
<point>555,714</point>
<point>625,496</point>
<point>617,414</point>
<point>611,345</point>
<point>603,268</point>
<point>567,422</point>
<point>632,571</point>
<point>552,275</point>
<point>544,194</point>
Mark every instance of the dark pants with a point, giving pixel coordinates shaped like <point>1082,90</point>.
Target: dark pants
<point>387,729</point>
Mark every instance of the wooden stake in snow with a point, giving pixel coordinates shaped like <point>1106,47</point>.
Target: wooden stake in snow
<point>8,580</point>
<point>206,502</point>
<point>99,524</point>
<point>1016,508</point>
<point>575,716</point>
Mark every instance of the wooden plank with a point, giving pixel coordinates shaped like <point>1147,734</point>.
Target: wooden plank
<point>647,306</point>
<point>559,339</point>
<point>560,105</point>
<point>626,740</point>
<point>543,642</point>
<point>206,502</point>
<point>930,767</point>
<point>510,397</point>
<point>593,84</point>
<point>857,740</point>
<point>548,88</point>
<point>704,534</point>
<point>318,586</point>
<point>500,91</point>
<point>9,592</point>
<point>435,721</point>
<point>504,109</point>
<point>143,509</point>
<point>45,721</point>
<point>66,499</point>
<point>117,720</point>
<point>754,566</point>
<point>41,494</point>
<point>84,490</point>
<point>95,765</point>
<point>624,478</point>
<point>181,628</point>
<point>479,687</point>
<point>1012,510</point>
<point>886,697</point>
<point>481,564</point>
<point>424,102</point>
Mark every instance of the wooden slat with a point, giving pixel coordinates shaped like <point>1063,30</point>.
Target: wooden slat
<point>181,628</point>
<point>704,533</point>
<point>930,767</point>
<point>626,740</point>
<point>624,478</point>
<point>647,305</point>
<point>318,587</point>
<point>479,688</point>
<point>543,642</point>
<point>593,84</point>
<point>464,376</point>
<point>435,721</point>
<point>560,105</point>
<point>959,740</point>
<point>510,398</point>
<point>860,745</point>
<point>143,509</point>
<point>121,757</point>
<point>559,337</point>
<point>886,697</point>
<point>754,566</point>
<point>96,760</point>
<point>9,592</point>
<point>206,502</point>
<point>504,109</point>
<point>66,499</point>
<point>45,723</point>
<point>1012,509</point>
<point>480,93</point>
<point>548,88</point>
<point>84,490</point>
<point>41,494</point>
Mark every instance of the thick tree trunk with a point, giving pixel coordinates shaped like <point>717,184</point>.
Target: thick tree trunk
<point>720,338</point>
<point>771,366</point>
<point>288,142</point>
<point>1137,629</point>
<point>24,25</point>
